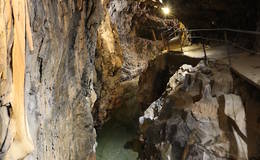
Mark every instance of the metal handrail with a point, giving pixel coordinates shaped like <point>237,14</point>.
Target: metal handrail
<point>225,29</point>
<point>219,40</point>
<point>225,40</point>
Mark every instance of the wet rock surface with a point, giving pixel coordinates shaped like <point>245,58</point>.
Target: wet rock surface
<point>197,117</point>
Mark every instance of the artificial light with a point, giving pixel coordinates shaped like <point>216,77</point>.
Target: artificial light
<point>166,10</point>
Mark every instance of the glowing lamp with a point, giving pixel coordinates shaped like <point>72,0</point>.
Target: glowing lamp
<point>166,10</point>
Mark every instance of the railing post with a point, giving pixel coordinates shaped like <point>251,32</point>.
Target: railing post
<point>205,54</point>
<point>168,45</point>
<point>181,34</point>
<point>163,40</point>
<point>154,35</point>
<point>227,48</point>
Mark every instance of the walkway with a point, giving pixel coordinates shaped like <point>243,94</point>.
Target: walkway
<point>248,66</point>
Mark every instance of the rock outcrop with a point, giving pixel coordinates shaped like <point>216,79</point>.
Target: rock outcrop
<point>197,117</point>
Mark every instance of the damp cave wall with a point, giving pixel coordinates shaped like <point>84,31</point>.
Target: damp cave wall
<point>59,78</point>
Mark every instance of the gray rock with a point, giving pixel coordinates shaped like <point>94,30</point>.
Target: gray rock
<point>188,129</point>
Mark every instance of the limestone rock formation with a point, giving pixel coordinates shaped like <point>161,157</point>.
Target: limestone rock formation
<point>59,78</point>
<point>197,117</point>
<point>16,141</point>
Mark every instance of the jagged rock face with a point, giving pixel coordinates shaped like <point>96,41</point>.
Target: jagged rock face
<point>128,16</point>
<point>59,78</point>
<point>179,125</point>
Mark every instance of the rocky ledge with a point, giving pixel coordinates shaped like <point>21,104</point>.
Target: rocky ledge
<point>197,117</point>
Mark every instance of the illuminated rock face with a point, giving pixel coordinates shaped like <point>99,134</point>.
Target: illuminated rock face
<point>16,142</point>
<point>53,84</point>
<point>59,78</point>
<point>122,54</point>
<point>108,64</point>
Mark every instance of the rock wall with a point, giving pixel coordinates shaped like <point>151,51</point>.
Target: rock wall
<point>59,78</point>
<point>121,56</point>
<point>108,62</point>
<point>126,15</point>
<point>197,117</point>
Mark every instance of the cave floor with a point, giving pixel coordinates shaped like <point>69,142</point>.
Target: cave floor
<point>248,66</point>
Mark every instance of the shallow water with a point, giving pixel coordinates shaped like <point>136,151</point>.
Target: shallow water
<point>111,140</point>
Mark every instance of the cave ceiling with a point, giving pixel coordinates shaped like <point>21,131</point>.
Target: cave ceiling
<point>208,13</point>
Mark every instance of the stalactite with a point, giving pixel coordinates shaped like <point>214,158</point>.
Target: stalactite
<point>17,143</point>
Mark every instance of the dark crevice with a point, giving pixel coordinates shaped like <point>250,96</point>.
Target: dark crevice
<point>153,81</point>
<point>40,46</point>
<point>40,61</point>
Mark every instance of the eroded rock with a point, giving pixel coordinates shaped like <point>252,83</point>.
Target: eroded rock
<point>60,73</point>
<point>179,125</point>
